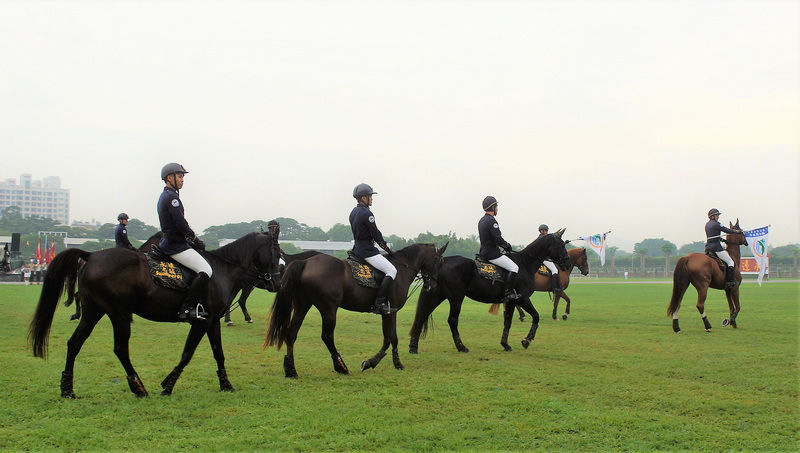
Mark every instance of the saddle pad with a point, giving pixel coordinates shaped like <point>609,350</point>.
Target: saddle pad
<point>169,274</point>
<point>364,275</point>
<point>488,271</point>
<point>713,256</point>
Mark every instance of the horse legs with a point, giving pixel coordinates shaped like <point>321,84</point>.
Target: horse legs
<point>215,339</point>
<point>92,316</point>
<point>452,320</point>
<point>196,333</point>
<point>389,326</point>
<point>298,316</point>
<point>566,311</point>
<point>508,315</point>
<point>702,293</point>
<point>733,306</point>
<point>77,314</point>
<point>328,327</point>
<point>122,335</point>
<point>424,309</point>
<point>528,306</point>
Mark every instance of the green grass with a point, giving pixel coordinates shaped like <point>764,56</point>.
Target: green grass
<point>612,377</point>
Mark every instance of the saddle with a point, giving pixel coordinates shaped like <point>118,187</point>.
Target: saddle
<point>722,265</point>
<point>488,270</point>
<point>167,272</point>
<point>363,273</point>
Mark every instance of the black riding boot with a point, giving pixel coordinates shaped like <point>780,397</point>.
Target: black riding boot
<point>381,306</point>
<point>192,304</point>
<point>508,289</point>
<point>730,282</point>
<point>554,280</point>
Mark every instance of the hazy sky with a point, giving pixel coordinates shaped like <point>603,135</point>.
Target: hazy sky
<point>630,116</point>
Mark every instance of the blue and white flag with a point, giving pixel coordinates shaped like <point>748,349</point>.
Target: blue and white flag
<point>598,244</point>
<point>758,240</point>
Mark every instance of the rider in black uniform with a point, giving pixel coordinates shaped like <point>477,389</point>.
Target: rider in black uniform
<point>181,243</point>
<point>366,234</point>
<point>121,233</point>
<point>491,242</point>
<point>714,231</point>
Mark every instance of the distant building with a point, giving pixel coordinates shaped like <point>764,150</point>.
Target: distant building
<point>43,198</point>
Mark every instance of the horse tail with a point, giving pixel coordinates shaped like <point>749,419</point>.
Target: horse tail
<point>280,315</point>
<point>63,270</point>
<point>680,281</point>
<point>494,309</point>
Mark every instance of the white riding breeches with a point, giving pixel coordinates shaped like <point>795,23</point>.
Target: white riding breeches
<point>551,266</point>
<point>191,259</point>
<point>382,264</point>
<point>506,263</point>
<point>723,255</point>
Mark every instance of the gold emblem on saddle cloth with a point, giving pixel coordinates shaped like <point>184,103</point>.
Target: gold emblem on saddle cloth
<point>363,272</point>
<point>167,270</point>
<point>488,271</point>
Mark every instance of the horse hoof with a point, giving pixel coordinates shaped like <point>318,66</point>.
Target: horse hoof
<point>725,322</point>
<point>365,365</point>
<point>412,350</point>
<point>69,395</point>
<point>677,330</point>
<point>526,343</point>
<point>464,350</point>
<point>249,321</point>
<point>291,374</point>
<point>564,317</point>
<point>399,367</point>
<point>166,393</point>
<point>507,348</point>
<point>708,330</point>
<point>229,323</point>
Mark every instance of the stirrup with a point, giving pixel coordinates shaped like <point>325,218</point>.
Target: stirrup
<point>383,308</point>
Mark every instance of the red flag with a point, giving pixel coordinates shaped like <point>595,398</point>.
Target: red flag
<point>39,251</point>
<point>52,251</point>
<point>44,255</point>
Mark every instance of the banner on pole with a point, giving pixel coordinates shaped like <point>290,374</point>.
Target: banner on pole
<point>758,241</point>
<point>597,243</point>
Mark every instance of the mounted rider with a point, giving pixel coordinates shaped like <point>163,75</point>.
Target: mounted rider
<point>714,230</point>
<point>365,235</point>
<point>181,243</point>
<point>549,264</point>
<point>491,242</point>
<point>121,232</point>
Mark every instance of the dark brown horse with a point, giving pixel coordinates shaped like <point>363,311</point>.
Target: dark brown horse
<point>703,272</point>
<point>327,283</point>
<point>116,282</point>
<point>145,248</point>
<point>577,257</point>
<point>458,278</point>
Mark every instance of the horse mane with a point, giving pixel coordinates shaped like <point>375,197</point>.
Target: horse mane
<point>238,250</point>
<point>528,250</point>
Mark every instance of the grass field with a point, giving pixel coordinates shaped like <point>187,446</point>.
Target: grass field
<point>613,377</point>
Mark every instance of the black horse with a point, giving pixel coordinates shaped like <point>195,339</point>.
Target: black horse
<point>116,282</point>
<point>458,278</point>
<point>327,283</point>
<point>147,247</point>
<point>253,284</point>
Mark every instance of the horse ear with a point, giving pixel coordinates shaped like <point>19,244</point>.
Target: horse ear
<point>559,233</point>
<point>737,223</point>
<point>440,252</point>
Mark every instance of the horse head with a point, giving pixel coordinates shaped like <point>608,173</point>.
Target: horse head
<point>737,238</point>
<point>582,261</point>
<point>430,279</point>
<point>557,250</point>
<point>267,254</point>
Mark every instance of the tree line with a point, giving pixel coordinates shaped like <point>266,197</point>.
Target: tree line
<point>651,252</point>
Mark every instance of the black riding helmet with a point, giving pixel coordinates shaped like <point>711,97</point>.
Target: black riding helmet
<point>362,190</point>
<point>122,216</point>
<point>544,227</point>
<point>171,168</point>
<point>488,202</point>
<point>713,211</point>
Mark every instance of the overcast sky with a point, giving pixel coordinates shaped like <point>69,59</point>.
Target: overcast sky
<point>630,116</point>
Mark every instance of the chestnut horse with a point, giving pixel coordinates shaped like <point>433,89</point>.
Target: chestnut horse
<point>577,257</point>
<point>116,283</point>
<point>327,283</point>
<point>703,272</point>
